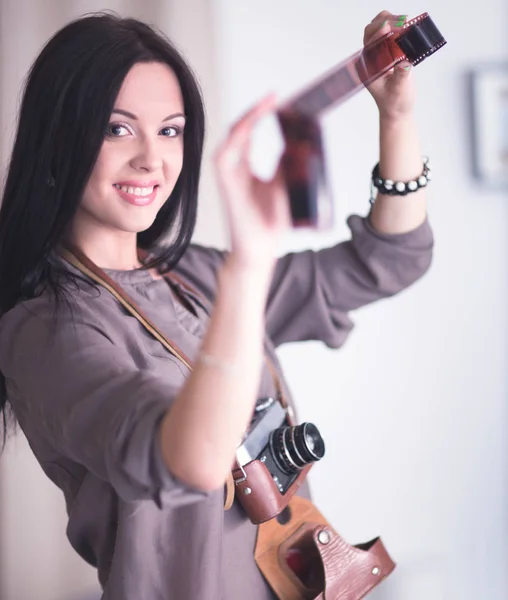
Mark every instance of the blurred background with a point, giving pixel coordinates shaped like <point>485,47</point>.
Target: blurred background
<point>414,408</point>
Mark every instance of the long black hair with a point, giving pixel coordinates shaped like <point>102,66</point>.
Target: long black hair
<point>67,102</point>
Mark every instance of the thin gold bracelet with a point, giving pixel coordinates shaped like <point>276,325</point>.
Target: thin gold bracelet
<point>224,366</point>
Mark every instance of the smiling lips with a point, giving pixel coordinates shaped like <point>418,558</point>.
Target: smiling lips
<point>139,195</point>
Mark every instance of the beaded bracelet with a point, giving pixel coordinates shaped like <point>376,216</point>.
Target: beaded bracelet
<point>398,188</point>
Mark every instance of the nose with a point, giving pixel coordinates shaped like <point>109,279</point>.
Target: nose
<point>148,157</point>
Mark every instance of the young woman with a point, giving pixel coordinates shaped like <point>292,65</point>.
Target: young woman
<point>106,163</point>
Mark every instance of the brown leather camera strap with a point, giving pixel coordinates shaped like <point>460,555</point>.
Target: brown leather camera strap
<point>81,262</point>
<point>88,268</point>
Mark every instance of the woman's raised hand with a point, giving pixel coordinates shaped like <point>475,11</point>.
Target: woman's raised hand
<point>257,211</point>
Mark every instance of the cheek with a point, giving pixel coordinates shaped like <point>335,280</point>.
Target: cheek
<point>98,171</point>
<point>103,173</point>
<point>96,186</point>
<point>173,163</point>
<point>106,166</point>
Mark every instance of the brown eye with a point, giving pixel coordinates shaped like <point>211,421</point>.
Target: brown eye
<point>116,130</point>
<point>172,131</point>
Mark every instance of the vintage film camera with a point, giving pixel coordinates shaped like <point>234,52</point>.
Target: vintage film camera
<point>273,460</point>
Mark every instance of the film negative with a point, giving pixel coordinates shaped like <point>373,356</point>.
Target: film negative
<point>303,161</point>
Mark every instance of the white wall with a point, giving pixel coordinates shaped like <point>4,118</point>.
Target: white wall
<point>413,408</point>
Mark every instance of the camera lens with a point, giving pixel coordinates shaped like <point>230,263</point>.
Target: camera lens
<point>294,447</point>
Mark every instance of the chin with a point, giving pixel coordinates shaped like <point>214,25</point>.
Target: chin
<point>134,223</point>
<point>138,227</point>
<point>144,219</point>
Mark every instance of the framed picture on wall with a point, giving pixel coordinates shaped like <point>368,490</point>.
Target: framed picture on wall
<point>489,95</point>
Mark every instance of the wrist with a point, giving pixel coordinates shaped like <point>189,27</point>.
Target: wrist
<point>396,121</point>
<point>399,186</point>
<point>259,266</point>
<point>250,276</point>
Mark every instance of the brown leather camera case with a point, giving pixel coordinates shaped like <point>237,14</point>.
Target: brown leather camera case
<point>258,493</point>
<point>339,571</point>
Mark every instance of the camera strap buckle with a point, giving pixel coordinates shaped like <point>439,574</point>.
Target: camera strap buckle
<point>243,476</point>
<point>231,483</point>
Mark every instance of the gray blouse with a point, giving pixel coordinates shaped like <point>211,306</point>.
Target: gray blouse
<point>90,393</point>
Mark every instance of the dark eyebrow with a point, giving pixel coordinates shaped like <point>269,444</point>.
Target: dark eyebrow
<point>131,116</point>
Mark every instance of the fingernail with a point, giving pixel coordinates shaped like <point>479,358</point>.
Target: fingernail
<point>383,24</point>
<point>401,21</point>
<point>407,68</point>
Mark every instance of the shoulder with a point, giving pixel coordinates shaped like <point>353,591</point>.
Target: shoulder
<point>37,320</point>
<point>201,259</point>
<point>78,301</point>
<point>199,267</point>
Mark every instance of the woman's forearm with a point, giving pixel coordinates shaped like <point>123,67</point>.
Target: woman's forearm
<point>206,421</point>
<point>400,160</point>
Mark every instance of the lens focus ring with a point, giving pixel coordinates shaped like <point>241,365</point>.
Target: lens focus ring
<point>294,447</point>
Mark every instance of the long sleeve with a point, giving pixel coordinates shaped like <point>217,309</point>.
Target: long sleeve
<point>313,291</point>
<point>86,397</point>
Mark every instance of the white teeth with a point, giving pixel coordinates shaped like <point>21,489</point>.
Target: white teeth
<point>135,191</point>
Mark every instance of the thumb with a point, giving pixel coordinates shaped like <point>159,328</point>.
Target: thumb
<point>403,69</point>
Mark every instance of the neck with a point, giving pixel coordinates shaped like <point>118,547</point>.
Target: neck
<point>117,251</point>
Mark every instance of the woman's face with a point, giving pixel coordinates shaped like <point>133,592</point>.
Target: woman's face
<point>141,157</point>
